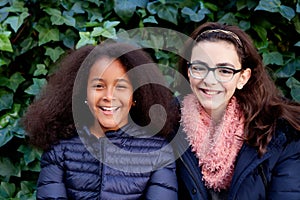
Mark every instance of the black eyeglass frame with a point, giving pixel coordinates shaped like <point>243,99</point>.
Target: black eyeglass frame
<point>189,64</point>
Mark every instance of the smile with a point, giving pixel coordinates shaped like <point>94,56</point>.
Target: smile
<point>109,109</point>
<point>210,92</point>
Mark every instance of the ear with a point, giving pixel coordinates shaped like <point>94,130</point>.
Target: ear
<point>188,73</point>
<point>245,76</point>
<point>133,103</point>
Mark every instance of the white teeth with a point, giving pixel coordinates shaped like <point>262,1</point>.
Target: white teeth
<point>211,92</point>
<point>109,108</point>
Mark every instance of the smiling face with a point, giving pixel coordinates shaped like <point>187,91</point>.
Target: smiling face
<point>212,94</point>
<point>109,95</point>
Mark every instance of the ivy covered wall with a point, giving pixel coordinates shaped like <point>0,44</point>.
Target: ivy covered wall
<point>34,34</point>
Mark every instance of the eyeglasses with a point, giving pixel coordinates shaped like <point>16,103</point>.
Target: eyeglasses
<point>200,70</point>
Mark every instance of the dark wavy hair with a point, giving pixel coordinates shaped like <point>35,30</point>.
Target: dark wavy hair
<point>61,108</point>
<point>261,101</point>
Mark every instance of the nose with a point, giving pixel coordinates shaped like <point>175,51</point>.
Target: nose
<point>210,78</point>
<point>109,94</point>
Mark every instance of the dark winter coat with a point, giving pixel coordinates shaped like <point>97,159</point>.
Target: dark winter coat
<point>126,164</point>
<point>274,176</point>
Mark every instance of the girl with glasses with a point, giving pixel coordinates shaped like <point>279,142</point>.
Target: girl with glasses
<point>242,134</point>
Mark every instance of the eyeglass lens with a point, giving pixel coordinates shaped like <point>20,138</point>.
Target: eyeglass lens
<point>199,70</point>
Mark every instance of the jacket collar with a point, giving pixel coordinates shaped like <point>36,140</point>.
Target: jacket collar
<point>129,129</point>
<point>248,159</point>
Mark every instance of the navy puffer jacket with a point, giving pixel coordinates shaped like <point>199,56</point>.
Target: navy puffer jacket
<point>120,166</point>
<point>276,175</point>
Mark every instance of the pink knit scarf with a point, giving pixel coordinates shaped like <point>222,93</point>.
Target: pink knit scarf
<point>216,147</point>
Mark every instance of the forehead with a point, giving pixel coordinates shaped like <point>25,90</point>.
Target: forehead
<point>215,52</point>
<point>107,66</point>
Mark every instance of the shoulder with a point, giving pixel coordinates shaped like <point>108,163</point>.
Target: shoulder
<point>63,150</point>
<point>285,145</point>
<point>144,138</point>
<point>283,127</point>
<point>141,149</point>
<point>70,144</point>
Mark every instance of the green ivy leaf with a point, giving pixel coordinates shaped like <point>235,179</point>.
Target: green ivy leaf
<point>6,100</point>
<point>95,15</point>
<point>244,25</point>
<point>33,166</point>
<point>273,58</point>
<point>7,168</point>
<point>56,17</point>
<point>294,84</point>
<point>297,44</point>
<point>17,129</point>
<point>15,80</point>
<point>110,24</point>
<point>3,2</point>
<point>287,12</point>
<point>229,18</point>
<point>37,85</point>
<point>295,93</point>
<point>211,6</point>
<point>77,8</point>
<point>27,44</point>
<point>288,70</point>
<point>261,32</point>
<point>152,7</point>
<point>166,12</point>
<point>5,134</point>
<point>85,38</point>
<point>107,30</point>
<point>4,81</point>
<point>15,111</point>
<point>4,61</point>
<point>54,53</point>
<point>30,154</point>
<point>40,70</point>
<point>269,5</point>
<point>195,17</point>
<point>126,8</point>
<point>150,19</point>
<point>4,121</point>
<point>275,6</point>
<point>47,34</point>
<point>69,20</point>
<point>7,190</point>
<point>69,38</point>
<point>26,192</point>
<point>16,21</point>
<point>9,124</point>
<point>17,7</point>
<point>169,13</point>
<point>5,44</point>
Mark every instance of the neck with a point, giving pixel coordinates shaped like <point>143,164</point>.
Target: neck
<point>97,131</point>
<point>216,116</point>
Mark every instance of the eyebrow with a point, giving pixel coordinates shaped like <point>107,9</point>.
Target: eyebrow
<point>224,65</point>
<point>117,80</point>
<point>217,65</point>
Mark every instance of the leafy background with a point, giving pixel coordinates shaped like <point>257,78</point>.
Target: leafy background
<point>34,34</point>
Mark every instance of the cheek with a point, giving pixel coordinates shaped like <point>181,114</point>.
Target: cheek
<point>91,95</point>
<point>127,98</point>
<point>230,87</point>
<point>193,82</point>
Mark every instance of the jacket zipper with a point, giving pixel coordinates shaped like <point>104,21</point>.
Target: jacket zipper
<point>191,175</point>
<point>101,165</point>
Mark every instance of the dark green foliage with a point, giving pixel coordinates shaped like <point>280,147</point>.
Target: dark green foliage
<point>34,34</point>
